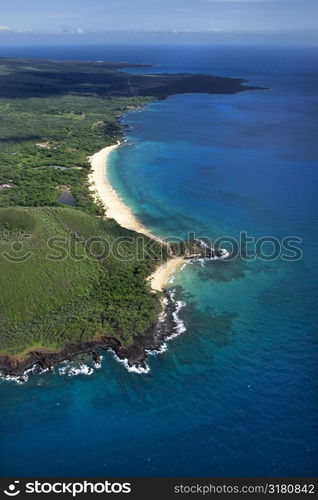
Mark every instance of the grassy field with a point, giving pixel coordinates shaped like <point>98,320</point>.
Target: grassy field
<point>45,143</point>
<point>67,277</point>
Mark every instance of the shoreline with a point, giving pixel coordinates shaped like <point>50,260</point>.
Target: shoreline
<point>160,277</point>
<point>168,323</point>
<point>117,209</point>
<point>153,341</point>
<point>104,192</point>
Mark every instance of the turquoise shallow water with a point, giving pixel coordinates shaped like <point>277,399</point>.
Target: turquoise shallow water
<point>236,394</point>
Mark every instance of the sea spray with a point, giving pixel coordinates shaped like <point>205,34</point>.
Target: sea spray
<point>72,371</point>
<point>140,369</point>
<point>98,364</point>
<point>22,379</point>
<point>179,326</point>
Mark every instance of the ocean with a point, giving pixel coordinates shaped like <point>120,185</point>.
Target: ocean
<point>236,393</point>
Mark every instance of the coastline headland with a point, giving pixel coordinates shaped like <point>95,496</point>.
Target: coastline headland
<point>152,340</point>
<point>133,357</point>
<point>106,84</point>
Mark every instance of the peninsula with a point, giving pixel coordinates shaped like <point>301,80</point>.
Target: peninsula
<point>73,279</point>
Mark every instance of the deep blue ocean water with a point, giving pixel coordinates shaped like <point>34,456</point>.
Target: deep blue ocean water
<point>236,394</point>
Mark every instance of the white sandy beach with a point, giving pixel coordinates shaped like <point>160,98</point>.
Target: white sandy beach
<point>161,275</point>
<point>116,209</point>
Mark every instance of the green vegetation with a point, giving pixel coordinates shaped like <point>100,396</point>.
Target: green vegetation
<point>68,277</point>
<point>41,135</point>
<point>22,78</point>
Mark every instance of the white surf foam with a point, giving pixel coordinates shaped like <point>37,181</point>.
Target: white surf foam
<point>71,370</point>
<point>132,369</point>
<point>22,379</point>
<point>17,380</point>
<point>224,252</point>
<point>163,348</point>
<point>179,323</point>
<point>98,365</point>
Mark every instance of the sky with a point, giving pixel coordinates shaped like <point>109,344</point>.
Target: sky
<point>91,18</point>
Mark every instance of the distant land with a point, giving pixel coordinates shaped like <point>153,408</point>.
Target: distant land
<point>67,297</point>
